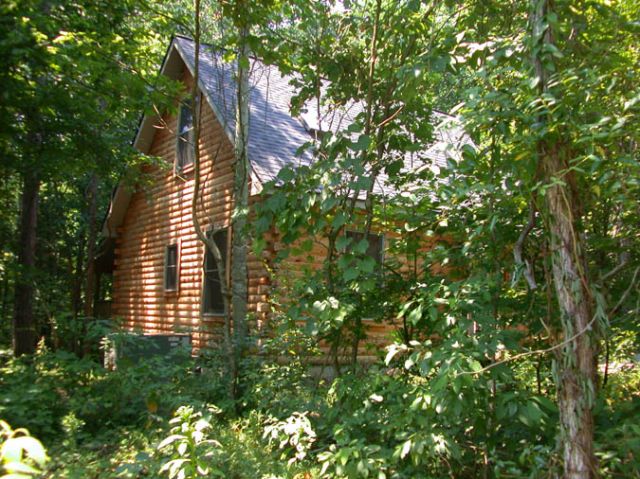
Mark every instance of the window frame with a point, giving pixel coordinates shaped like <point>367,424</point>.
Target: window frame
<point>166,266</point>
<point>227,261</point>
<point>379,261</point>
<point>179,168</point>
<point>380,272</point>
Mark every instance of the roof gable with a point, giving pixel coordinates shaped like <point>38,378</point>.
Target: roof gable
<point>275,136</point>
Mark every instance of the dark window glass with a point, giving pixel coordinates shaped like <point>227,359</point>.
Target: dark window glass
<point>171,267</point>
<point>212,294</point>
<point>375,244</point>
<point>185,146</point>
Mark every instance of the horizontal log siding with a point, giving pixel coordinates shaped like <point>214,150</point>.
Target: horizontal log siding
<point>160,214</point>
<point>379,335</point>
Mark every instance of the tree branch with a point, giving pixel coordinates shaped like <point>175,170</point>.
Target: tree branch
<point>517,249</point>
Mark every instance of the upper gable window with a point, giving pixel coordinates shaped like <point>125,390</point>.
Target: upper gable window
<point>185,147</point>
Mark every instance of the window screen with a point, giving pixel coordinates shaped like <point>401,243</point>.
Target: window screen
<point>213,301</point>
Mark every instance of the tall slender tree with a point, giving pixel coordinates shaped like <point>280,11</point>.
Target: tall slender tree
<point>69,74</point>
<point>242,177</point>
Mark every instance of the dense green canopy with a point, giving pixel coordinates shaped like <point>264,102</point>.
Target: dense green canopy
<point>516,319</point>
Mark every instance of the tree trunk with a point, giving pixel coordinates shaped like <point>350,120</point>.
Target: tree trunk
<point>90,281</point>
<point>24,333</point>
<point>576,372</point>
<point>239,280</point>
<point>78,274</point>
<point>208,240</point>
<point>4,297</point>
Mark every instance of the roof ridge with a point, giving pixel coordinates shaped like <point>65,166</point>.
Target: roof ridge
<point>255,57</point>
<point>211,45</point>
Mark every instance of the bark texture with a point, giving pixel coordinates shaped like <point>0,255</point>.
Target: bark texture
<point>577,368</point>
<point>576,372</point>
<point>24,333</point>
<point>90,283</point>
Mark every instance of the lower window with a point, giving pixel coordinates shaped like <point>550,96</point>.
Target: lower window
<point>213,300</point>
<point>171,268</point>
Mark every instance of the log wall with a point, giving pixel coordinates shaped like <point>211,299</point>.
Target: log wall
<point>160,215</point>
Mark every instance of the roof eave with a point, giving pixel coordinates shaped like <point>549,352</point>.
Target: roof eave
<point>172,67</point>
<point>255,177</point>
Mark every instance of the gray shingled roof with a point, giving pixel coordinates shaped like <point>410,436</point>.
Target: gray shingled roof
<point>275,136</point>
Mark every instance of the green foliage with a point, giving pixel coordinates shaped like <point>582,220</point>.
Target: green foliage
<point>423,415</point>
<point>240,448</point>
<point>35,390</point>
<point>463,391</point>
<point>617,437</point>
<point>189,446</point>
<point>76,77</point>
<point>54,392</point>
<point>279,383</point>
<point>466,321</point>
<point>21,456</point>
<point>294,436</point>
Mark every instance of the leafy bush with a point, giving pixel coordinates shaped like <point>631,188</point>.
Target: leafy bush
<point>80,334</point>
<point>618,438</point>
<point>430,410</point>
<point>21,456</point>
<point>294,435</point>
<point>36,391</point>
<point>395,423</point>
<point>278,382</point>
<point>189,446</point>
<point>203,442</point>
<point>39,391</point>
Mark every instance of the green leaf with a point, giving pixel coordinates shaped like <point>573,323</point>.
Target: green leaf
<point>170,440</point>
<point>440,383</point>
<point>362,144</point>
<point>286,174</point>
<point>475,365</point>
<point>20,468</point>
<point>243,61</point>
<point>350,274</point>
<point>393,350</point>
<point>415,315</point>
<point>14,449</point>
<point>342,242</point>
<point>406,449</point>
<point>394,167</point>
<point>339,220</point>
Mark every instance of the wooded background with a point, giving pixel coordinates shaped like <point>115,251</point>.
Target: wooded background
<point>539,256</point>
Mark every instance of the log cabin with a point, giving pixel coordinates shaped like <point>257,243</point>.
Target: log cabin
<point>163,280</point>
